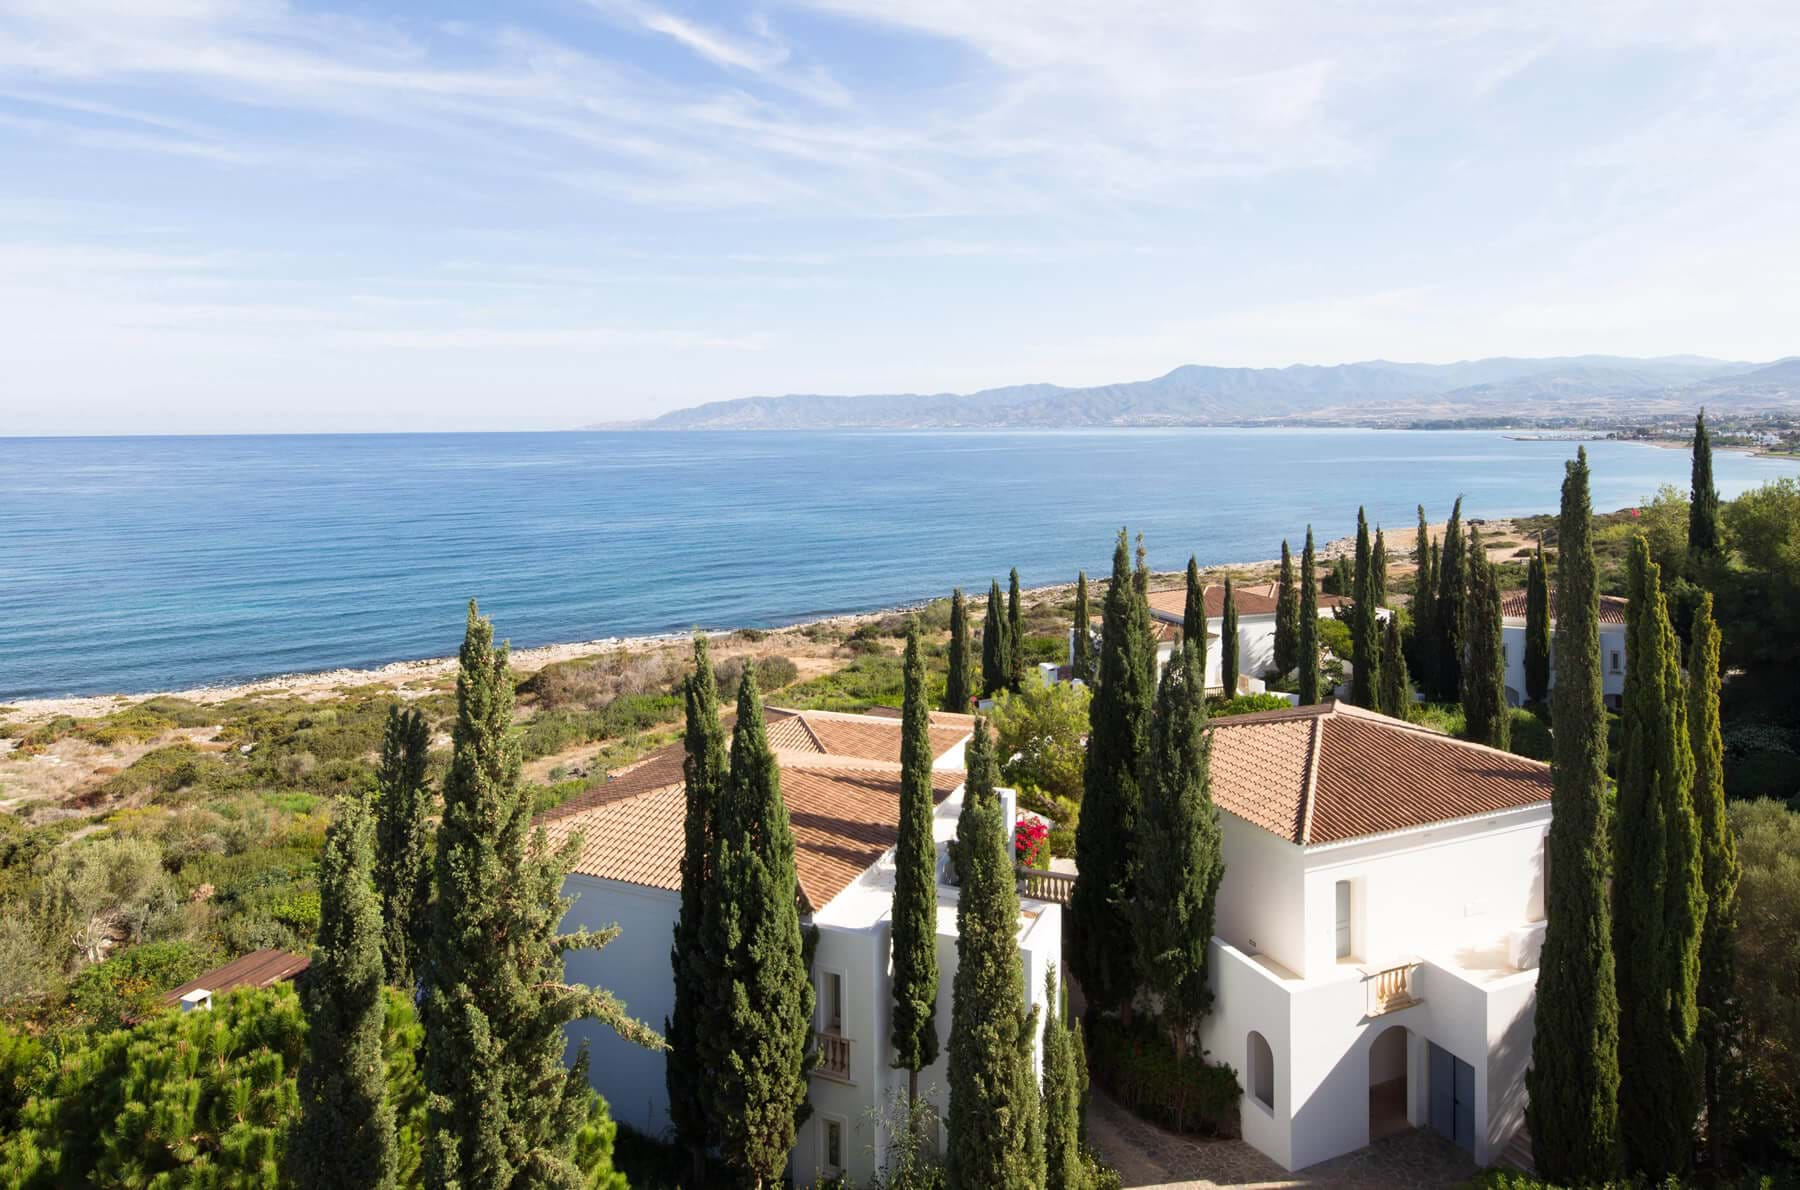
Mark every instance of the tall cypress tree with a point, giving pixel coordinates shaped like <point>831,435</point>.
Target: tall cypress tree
<point>1082,658</point>
<point>1485,716</point>
<point>1394,697</point>
<point>1342,580</point>
<point>345,1134</point>
<point>1228,646</point>
<point>1287,616</point>
<point>957,695</point>
<point>1703,505</point>
<point>1452,591</point>
<point>1365,639</point>
<point>1193,612</point>
<point>1378,567</point>
<point>914,1035</point>
<point>757,1039</point>
<point>1180,860</point>
<point>996,649</point>
<point>1537,629</point>
<point>703,775</point>
<point>1015,635</point>
<point>502,1105</point>
<point>1658,896</point>
<point>1424,609</point>
<point>1573,1081</point>
<point>402,832</point>
<point>1309,624</point>
<point>1719,872</point>
<point>1118,736</point>
<point>996,1139</point>
<point>1064,1167</point>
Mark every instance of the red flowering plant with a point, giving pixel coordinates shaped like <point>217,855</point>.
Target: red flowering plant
<point>1031,843</point>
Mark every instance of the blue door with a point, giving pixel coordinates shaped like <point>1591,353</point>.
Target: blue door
<point>1452,1087</point>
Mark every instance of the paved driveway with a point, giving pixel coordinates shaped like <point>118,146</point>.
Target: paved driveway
<point>1148,1157</point>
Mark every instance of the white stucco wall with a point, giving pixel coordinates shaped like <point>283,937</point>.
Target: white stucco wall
<point>1261,905</point>
<point>1612,642</point>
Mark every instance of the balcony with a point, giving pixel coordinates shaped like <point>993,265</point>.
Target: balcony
<point>1042,884</point>
<point>1391,988</point>
<point>834,1057</point>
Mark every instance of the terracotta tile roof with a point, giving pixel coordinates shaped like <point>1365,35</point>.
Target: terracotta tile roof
<point>1612,607</point>
<point>1166,632</point>
<point>872,737</point>
<point>258,969</point>
<point>1327,773</point>
<point>1249,599</point>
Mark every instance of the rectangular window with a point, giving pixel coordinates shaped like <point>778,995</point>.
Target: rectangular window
<point>1615,661</point>
<point>834,1147</point>
<point>1343,919</point>
<point>831,1002</point>
<point>1504,659</point>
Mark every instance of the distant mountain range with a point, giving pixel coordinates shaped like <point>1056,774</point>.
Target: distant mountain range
<point>1377,392</point>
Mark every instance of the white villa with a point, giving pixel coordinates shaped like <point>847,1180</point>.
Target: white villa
<point>1377,931</point>
<point>1612,647</point>
<point>840,777</point>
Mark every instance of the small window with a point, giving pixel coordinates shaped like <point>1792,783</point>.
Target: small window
<point>1343,919</point>
<point>831,1002</point>
<point>1261,1061</point>
<point>834,1147</point>
<point>1615,661</point>
<point>1504,659</point>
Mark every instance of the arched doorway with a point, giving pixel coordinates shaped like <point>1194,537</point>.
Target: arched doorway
<point>1387,1083</point>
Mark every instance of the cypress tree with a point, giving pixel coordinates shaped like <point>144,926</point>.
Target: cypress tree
<point>1537,629</point>
<point>502,1105</point>
<point>345,1134</point>
<point>1424,610</point>
<point>1378,560</point>
<point>1573,1082</point>
<point>1719,871</point>
<point>703,776</point>
<point>1287,617</point>
<point>914,1035</point>
<point>1309,625</point>
<point>996,650</point>
<point>995,1135</point>
<point>1395,694</point>
<point>1082,658</point>
<point>402,827</point>
<point>1179,857</point>
<point>1193,612</point>
<point>1342,580</point>
<point>1703,506</point>
<point>1015,635</point>
<point>1485,716</point>
<point>1064,1167</point>
<point>1118,736</point>
<point>1452,591</point>
<point>1228,647</point>
<point>956,686</point>
<point>1365,640</point>
<point>758,1031</point>
<point>1657,890</point>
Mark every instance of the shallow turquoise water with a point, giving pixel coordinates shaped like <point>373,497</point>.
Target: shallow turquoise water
<point>157,563</point>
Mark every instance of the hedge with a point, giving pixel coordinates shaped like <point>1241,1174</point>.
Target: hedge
<point>1136,1063</point>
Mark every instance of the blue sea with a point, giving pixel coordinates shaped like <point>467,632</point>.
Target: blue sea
<point>139,564</point>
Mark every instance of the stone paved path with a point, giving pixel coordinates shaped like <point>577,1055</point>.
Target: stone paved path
<point>1149,1158</point>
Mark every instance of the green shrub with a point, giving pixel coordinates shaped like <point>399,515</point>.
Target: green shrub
<point>1530,735</point>
<point>1246,704</point>
<point>129,985</point>
<point>165,770</point>
<point>1137,1065</point>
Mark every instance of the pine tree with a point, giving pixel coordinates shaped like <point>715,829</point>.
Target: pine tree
<point>1193,612</point>
<point>503,1106</point>
<point>1063,1165</point>
<point>957,696</point>
<point>995,1136</point>
<point>1309,625</point>
<point>1537,629</point>
<point>402,830</point>
<point>1485,716</point>
<point>1287,617</point>
<point>345,1135</point>
<point>1703,506</point>
<point>757,1033</point>
<point>1378,560</point>
<point>1658,897</point>
<point>1179,857</point>
<point>914,1035</point>
<point>1229,646</point>
<point>1573,1081</point>
<point>703,778</point>
<point>1015,636</point>
<point>1719,870</point>
<point>1452,591</point>
<point>1395,694</point>
<point>1118,735</point>
<point>996,649</point>
<point>1365,629</point>
<point>1082,658</point>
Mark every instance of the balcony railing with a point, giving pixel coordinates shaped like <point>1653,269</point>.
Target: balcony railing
<point>1391,989</point>
<point>1044,885</point>
<point>834,1057</point>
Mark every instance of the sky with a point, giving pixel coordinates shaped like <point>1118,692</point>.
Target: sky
<point>250,215</point>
